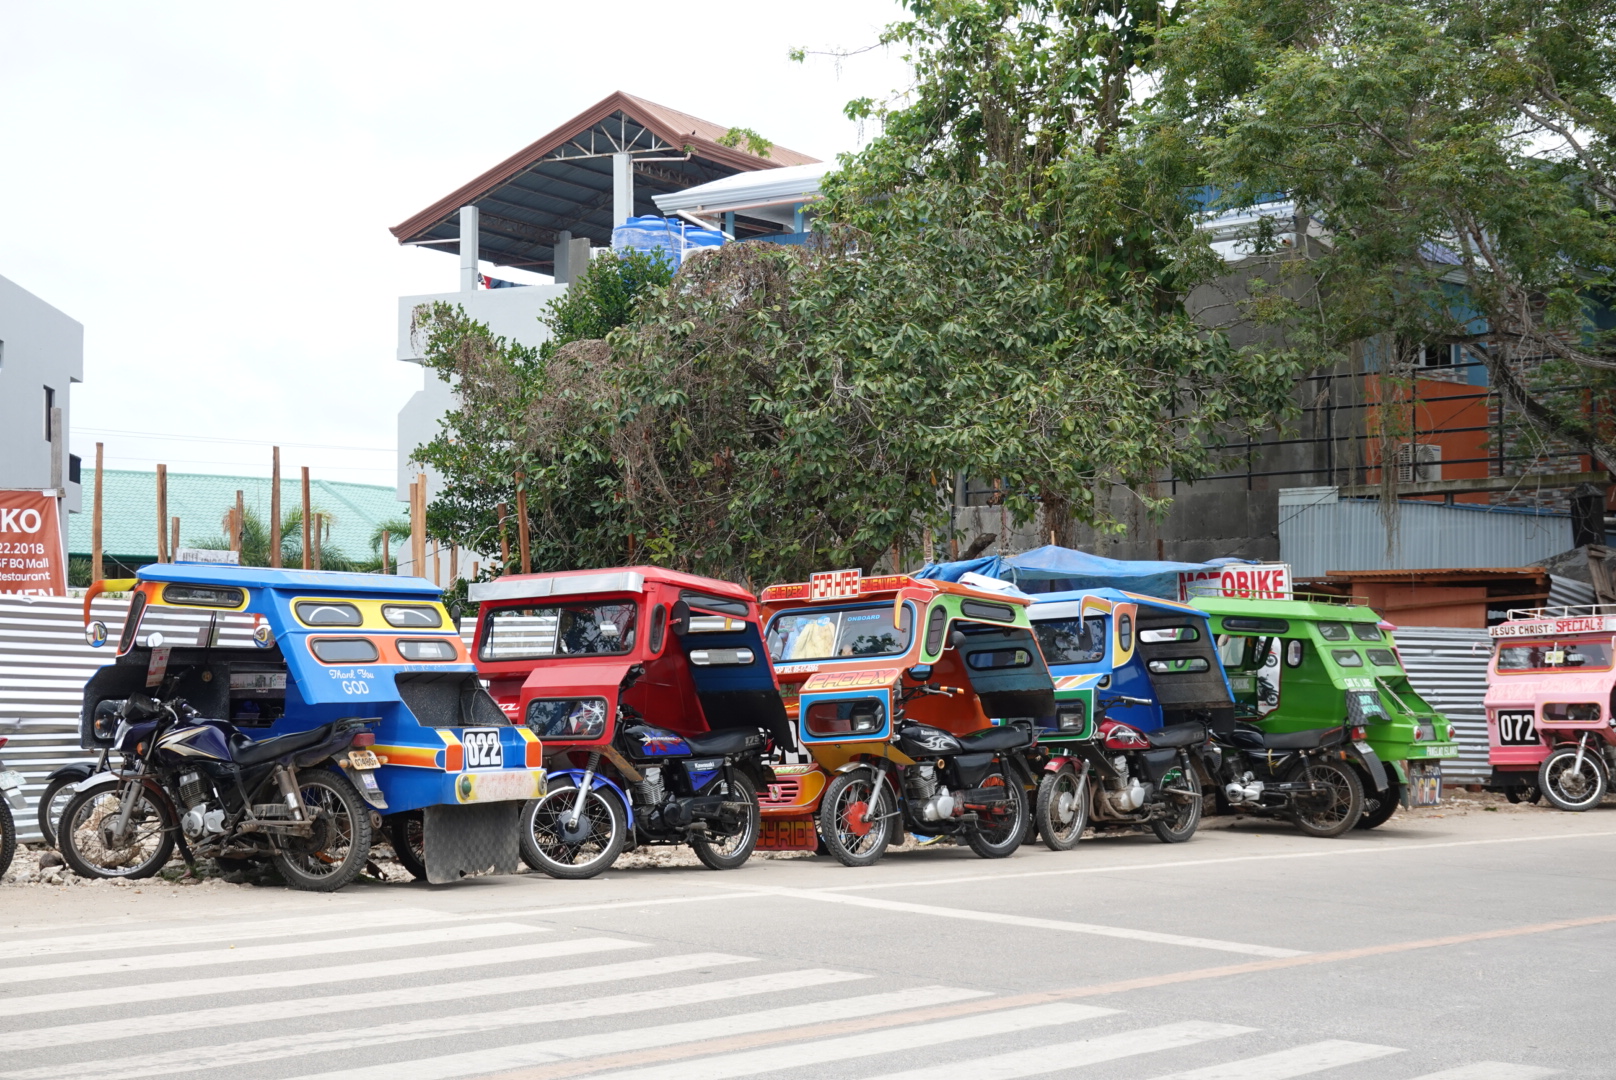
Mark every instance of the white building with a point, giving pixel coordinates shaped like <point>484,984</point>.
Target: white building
<point>41,357</point>
<point>544,210</point>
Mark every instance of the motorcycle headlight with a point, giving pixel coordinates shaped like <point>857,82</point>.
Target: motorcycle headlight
<point>1070,718</point>
<point>864,719</point>
<point>105,722</point>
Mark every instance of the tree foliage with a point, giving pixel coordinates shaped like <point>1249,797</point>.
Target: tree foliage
<point>996,290</point>
<point>1458,155</point>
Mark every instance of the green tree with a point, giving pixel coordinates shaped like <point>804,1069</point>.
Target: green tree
<point>255,546</point>
<point>996,290</point>
<point>1457,160</point>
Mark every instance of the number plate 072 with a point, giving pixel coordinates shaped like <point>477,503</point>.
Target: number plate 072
<point>1516,729</point>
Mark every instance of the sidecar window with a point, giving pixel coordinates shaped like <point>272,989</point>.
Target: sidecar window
<point>328,613</point>
<point>1072,641</point>
<point>531,633</point>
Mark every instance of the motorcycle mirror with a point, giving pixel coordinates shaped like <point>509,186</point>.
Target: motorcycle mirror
<point>95,635</point>
<point>957,638</point>
<point>920,672</point>
<point>679,618</point>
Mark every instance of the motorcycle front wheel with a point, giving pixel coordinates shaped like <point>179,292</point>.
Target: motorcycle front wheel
<point>1338,808</point>
<point>1569,786</point>
<point>551,846</point>
<point>89,845</point>
<point>999,836</point>
<point>842,812</point>
<point>339,847</point>
<point>728,852</point>
<point>1063,808</point>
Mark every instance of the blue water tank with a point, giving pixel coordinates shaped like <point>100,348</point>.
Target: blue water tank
<point>649,233</point>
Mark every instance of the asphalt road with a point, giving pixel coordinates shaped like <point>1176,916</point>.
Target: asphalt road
<point>1474,947</point>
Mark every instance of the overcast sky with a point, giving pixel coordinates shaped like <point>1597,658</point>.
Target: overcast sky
<point>207,187</point>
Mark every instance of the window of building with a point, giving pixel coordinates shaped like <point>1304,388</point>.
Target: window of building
<point>1436,355</point>
<point>50,406</point>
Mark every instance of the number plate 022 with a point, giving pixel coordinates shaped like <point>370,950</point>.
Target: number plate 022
<point>483,749</point>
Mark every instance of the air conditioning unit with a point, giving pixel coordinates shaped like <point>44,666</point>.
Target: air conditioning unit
<point>1419,463</point>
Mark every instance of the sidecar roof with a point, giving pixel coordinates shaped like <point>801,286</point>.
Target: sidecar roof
<point>321,582</point>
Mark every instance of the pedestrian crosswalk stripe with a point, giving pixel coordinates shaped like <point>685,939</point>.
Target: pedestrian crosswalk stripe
<point>499,1058</point>
<point>358,941</point>
<point>1056,925</point>
<point>1297,1061</point>
<point>1491,1070</point>
<point>277,1047</point>
<point>261,982</point>
<point>402,997</point>
<point>146,937</point>
<point>867,1044</point>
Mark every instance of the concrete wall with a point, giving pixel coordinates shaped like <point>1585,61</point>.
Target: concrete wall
<point>514,314</point>
<point>42,347</point>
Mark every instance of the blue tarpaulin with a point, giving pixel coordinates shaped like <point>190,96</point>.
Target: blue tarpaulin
<point>1057,569</point>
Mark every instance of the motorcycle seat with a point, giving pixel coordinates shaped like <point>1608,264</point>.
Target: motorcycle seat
<point>725,742</point>
<point>996,738</point>
<point>1311,739</point>
<point>1178,735</point>
<point>245,751</point>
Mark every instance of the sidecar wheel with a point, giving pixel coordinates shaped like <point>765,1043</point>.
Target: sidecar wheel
<point>406,834</point>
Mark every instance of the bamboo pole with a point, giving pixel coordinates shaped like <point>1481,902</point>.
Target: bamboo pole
<point>239,525</point>
<point>437,566</point>
<point>162,513</point>
<point>97,571</point>
<point>454,562</point>
<point>306,522</point>
<point>521,524</point>
<point>418,527</point>
<point>387,567</point>
<point>174,548</point>
<point>319,538</point>
<point>275,508</point>
<point>504,543</point>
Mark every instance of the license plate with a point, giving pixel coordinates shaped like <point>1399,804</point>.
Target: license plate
<point>10,781</point>
<point>1425,784</point>
<point>368,779</point>
<point>1363,747</point>
<point>483,748</point>
<point>788,834</point>
<point>363,759</point>
<point>1517,729</point>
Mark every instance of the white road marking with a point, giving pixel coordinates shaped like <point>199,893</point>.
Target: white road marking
<point>1036,1061</point>
<point>260,982</point>
<point>228,932</point>
<point>1491,1070</point>
<point>279,1047</point>
<point>1130,933</point>
<point>189,1019</point>
<point>501,1058</point>
<point>358,941</point>
<point>1367,846</point>
<point>1297,1061</point>
<point>868,1044</point>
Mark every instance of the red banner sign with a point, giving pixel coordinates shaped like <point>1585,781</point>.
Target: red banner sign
<point>31,558</point>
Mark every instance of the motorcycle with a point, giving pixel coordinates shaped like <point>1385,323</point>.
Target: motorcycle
<point>1308,777</point>
<point>1122,778</point>
<point>10,796</point>
<point>205,785</point>
<point>972,786</point>
<point>699,790</point>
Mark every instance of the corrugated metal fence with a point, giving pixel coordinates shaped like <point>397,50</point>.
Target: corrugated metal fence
<point>44,664</point>
<point>1448,668</point>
